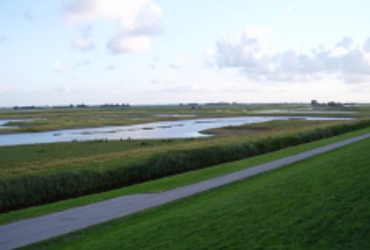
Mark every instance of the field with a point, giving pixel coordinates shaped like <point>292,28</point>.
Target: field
<point>44,178</point>
<point>24,186</point>
<point>55,119</point>
<point>33,175</point>
<point>27,159</point>
<point>318,203</point>
<point>172,181</point>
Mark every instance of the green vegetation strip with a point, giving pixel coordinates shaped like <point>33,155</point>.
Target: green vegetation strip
<point>173,181</point>
<point>318,203</point>
<point>31,190</point>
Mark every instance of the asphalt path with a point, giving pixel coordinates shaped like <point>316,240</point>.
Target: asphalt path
<point>30,231</point>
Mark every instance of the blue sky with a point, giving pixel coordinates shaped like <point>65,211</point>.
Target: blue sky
<point>164,51</point>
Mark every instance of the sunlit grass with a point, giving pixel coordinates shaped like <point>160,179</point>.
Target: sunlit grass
<point>173,181</point>
<point>31,187</point>
<point>319,203</point>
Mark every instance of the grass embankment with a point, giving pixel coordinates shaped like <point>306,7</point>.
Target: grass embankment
<point>173,181</point>
<point>318,203</point>
<point>29,190</point>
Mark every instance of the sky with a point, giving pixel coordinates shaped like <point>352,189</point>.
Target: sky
<point>61,52</point>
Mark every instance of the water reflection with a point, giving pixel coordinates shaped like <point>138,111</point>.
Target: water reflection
<point>156,130</point>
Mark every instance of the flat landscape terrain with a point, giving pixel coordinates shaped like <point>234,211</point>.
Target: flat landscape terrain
<point>56,119</point>
<point>319,203</point>
<point>44,178</point>
<point>134,125</point>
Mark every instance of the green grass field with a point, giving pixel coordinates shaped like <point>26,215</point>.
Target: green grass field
<point>172,181</point>
<point>23,185</point>
<point>318,203</point>
<point>33,175</point>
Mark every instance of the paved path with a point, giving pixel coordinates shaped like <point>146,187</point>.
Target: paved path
<point>29,231</point>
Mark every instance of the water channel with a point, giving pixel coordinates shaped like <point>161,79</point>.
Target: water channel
<point>157,130</point>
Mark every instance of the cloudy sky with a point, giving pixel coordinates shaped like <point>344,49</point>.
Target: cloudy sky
<point>165,51</point>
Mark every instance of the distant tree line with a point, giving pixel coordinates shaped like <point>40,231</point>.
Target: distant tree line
<point>123,105</point>
<point>212,104</point>
<point>71,106</point>
<point>331,104</point>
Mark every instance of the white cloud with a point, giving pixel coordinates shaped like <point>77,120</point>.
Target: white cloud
<point>355,78</point>
<point>138,21</point>
<point>338,52</point>
<point>181,89</point>
<point>166,82</point>
<point>4,88</point>
<point>60,69</point>
<point>146,21</point>
<point>247,51</point>
<point>64,89</point>
<point>77,11</point>
<point>255,31</point>
<point>366,46</point>
<point>84,41</point>
<point>362,88</point>
<point>125,43</point>
<point>346,42</point>
<point>345,61</point>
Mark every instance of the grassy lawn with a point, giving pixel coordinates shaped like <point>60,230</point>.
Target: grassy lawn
<point>173,181</point>
<point>318,203</point>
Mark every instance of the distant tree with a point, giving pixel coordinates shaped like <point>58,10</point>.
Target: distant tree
<point>315,103</point>
<point>335,104</point>
<point>82,105</point>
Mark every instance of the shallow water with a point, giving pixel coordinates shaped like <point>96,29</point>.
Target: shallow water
<point>156,130</point>
<point>4,121</point>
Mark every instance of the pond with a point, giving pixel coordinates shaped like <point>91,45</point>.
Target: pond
<point>156,130</point>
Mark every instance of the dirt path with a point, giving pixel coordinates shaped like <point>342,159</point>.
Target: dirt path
<point>29,231</point>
